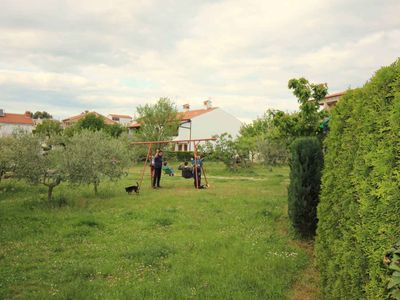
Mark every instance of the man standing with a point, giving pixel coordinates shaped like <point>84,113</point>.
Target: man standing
<point>197,167</point>
<point>158,162</point>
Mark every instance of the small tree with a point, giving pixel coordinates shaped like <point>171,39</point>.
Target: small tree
<point>91,156</point>
<point>91,122</point>
<point>273,152</point>
<point>305,179</point>
<point>36,165</point>
<point>42,115</point>
<point>115,130</point>
<point>48,128</point>
<point>6,150</point>
<point>224,149</point>
<point>158,122</point>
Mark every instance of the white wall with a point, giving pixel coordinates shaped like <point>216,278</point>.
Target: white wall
<point>9,129</point>
<point>124,121</point>
<point>215,122</point>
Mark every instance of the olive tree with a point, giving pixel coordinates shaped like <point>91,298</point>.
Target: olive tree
<point>94,155</point>
<point>37,163</point>
<point>6,146</point>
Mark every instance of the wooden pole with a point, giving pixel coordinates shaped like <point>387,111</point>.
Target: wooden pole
<point>196,172</point>
<point>145,163</point>
<point>205,176</point>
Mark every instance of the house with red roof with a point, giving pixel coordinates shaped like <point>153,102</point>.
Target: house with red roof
<point>202,123</point>
<point>75,119</point>
<point>331,100</point>
<point>10,122</point>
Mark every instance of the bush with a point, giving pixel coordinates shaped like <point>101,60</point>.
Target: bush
<point>305,179</point>
<point>360,207</point>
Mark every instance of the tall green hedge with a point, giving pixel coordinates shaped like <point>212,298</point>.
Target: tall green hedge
<point>359,210</point>
<point>305,179</point>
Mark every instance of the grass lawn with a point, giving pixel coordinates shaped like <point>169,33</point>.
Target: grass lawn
<point>228,242</point>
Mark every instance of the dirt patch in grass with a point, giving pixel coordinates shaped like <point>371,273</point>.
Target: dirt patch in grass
<point>307,286</point>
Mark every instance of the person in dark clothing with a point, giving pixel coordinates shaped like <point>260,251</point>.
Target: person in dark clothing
<point>197,167</point>
<point>158,163</point>
<point>187,171</point>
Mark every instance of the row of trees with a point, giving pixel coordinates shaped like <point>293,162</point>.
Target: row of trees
<point>268,138</point>
<point>85,158</point>
<point>92,122</point>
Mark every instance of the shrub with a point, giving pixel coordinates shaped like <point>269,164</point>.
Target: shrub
<point>359,207</point>
<point>305,179</point>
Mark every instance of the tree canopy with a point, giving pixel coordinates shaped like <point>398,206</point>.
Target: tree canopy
<point>158,121</point>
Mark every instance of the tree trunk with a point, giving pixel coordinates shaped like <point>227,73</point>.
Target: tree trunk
<point>50,192</point>
<point>96,184</point>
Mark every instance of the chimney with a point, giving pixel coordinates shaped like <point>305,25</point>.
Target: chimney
<point>28,114</point>
<point>2,112</point>
<point>186,107</point>
<point>207,104</point>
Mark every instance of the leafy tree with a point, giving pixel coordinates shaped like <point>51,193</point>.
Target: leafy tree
<point>305,180</point>
<point>92,156</point>
<point>36,165</point>
<point>48,128</point>
<point>91,122</point>
<point>158,122</point>
<point>224,149</point>
<point>115,130</point>
<point>308,95</point>
<point>6,150</point>
<point>273,152</point>
<point>251,134</point>
<point>41,115</point>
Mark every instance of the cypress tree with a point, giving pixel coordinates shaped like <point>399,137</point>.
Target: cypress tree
<point>305,179</point>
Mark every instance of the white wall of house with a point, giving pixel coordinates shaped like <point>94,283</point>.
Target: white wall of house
<point>122,121</point>
<point>215,122</point>
<point>9,129</point>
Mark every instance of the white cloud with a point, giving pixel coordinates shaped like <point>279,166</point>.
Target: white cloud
<point>69,56</point>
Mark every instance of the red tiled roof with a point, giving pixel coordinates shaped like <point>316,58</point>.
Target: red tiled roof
<point>76,118</point>
<point>188,115</point>
<point>16,119</point>
<point>183,116</point>
<point>121,116</point>
<point>335,95</point>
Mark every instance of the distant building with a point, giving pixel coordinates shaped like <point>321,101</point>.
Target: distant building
<point>72,120</point>
<point>202,123</point>
<point>330,100</point>
<point>9,122</point>
<point>121,119</point>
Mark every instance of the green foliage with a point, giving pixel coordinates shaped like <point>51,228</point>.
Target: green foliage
<point>48,128</point>
<point>37,163</point>
<point>305,179</point>
<point>225,149</point>
<point>6,154</point>
<point>91,156</point>
<point>41,115</point>
<point>92,122</point>
<point>251,134</point>
<point>115,130</point>
<point>273,152</point>
<point>359,207</point>
<point>158,122</point>
<point>392,261</point>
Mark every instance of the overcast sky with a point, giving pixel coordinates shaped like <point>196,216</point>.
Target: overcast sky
<point>110,56</point>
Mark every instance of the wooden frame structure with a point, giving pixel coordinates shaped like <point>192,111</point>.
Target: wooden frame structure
<point>195,142</point>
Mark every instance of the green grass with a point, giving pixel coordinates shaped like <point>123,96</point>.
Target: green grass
<point>227,242</point>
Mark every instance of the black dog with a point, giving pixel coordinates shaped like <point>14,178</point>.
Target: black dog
<point>133,188</point>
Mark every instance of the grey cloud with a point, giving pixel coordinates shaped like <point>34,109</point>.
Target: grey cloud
<point>115,56</point>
